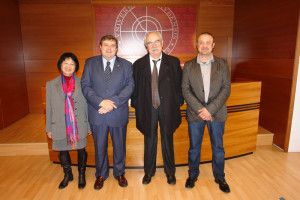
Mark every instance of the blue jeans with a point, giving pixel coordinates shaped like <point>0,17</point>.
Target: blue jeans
<point>216,131</point>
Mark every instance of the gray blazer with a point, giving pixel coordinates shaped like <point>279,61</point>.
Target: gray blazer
<point>193,90</point>
<point>55,109</point>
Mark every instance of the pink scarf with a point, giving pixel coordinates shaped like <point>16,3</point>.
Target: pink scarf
<point>71,125</point>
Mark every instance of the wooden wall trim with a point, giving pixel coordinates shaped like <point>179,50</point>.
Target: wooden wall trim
<point>146,2</point>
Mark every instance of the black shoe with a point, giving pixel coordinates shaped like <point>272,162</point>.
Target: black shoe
<point>224,187</point>
<point>171,179</point>
<point>146,179</point>
<point>81,181</point>
<point>190,182</point>
<point>68,177</point>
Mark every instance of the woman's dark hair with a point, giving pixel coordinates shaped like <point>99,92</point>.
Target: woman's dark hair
<point>65,56</point>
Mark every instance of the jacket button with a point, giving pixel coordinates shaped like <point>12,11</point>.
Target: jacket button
<point>75,109</point>
<point>161,98</point>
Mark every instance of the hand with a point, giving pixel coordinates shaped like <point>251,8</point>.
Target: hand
<point>107,105</point>
<point>49,134</point>
<point>102,111</point>
<point>204,114</point>
<point>89,132</point>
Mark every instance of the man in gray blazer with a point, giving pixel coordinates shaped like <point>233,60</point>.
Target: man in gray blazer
<point>206,87</point>
<point>107,84</point>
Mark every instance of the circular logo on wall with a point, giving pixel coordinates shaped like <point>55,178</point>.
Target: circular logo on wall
<point>133,23</point>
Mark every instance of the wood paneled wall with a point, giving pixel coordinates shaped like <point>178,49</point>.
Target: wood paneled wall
<point>51,27</point>
<point>48,30</point>
<point>13,91</point>
<point>264,49</point>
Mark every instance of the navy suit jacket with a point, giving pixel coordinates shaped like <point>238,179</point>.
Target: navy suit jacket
<point>118,90</point>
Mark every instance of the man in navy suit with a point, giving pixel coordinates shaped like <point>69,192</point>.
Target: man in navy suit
<point>107,84</point>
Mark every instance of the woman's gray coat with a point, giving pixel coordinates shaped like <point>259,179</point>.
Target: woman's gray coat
<point>55,114</point>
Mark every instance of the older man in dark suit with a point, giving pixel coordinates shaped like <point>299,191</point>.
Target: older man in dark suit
<point>107,84</point>
<point>206,87</point>
<point>157,98</point>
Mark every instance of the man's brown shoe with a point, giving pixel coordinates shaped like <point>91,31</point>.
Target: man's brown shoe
<point>122,181</point>
<point>99,183</point>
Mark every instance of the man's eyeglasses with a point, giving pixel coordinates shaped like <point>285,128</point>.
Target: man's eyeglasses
<point>152,43</point>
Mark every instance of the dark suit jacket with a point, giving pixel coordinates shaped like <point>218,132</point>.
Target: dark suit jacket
<point>169,87</point>
<point>55,109</point>
<point>193,89</point>
<point>118,90</point>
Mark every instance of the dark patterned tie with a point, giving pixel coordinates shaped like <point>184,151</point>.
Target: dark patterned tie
<point>154,84</point>
<point>107,72</point>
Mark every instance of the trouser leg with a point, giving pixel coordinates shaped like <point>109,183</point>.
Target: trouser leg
<point>100,135</point>
<point>150,146</point>
<point>196,131</point>
<point>118,137</point>
<point>167,146</point>
<point>216,131</point>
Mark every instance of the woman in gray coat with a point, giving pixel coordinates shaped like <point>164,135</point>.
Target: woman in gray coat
<point>66,118</point>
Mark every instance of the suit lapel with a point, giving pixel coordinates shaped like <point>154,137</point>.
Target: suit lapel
<point>100,68</point>
<point>213,70</point>
<point>198,73</point>
<point>146,68</point>
<point>116,69</point>
<point>59,89</point>
<point>164,67</point>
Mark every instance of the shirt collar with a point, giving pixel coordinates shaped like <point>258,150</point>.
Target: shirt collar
<point>112,61</point>
<point>153,58</point>
<point>209,62</point>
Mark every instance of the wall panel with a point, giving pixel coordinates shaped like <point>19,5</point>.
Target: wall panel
<point>48,30</point>
<point>264,45</point>
<point>13,93</point>
<point>217,17</point>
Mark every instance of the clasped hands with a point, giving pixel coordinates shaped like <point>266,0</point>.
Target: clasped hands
<point>106,106</point>
<point>204,114</point>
